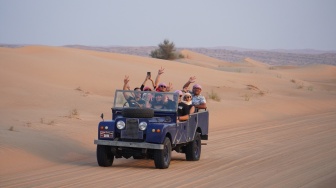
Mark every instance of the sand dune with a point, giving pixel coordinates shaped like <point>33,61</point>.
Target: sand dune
<point>273,127</point>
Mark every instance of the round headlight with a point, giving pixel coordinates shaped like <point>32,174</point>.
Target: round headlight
<point>142,126</point>
<point>120,124</point>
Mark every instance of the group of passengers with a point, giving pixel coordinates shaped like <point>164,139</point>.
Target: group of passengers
<point>188,101</point>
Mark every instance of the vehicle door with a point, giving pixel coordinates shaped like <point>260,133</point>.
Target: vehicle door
<point>192,126</point>
<point>181,132</point>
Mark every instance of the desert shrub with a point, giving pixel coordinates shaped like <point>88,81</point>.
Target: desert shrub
<point>214,96</point>
<point>247,97</point>
<point>166,51</point>
<point>73,113</point>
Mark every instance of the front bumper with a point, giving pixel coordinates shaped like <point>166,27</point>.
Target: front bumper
<point>129,144</point>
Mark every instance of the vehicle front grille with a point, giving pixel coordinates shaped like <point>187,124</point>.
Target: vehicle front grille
<point>132,130</point>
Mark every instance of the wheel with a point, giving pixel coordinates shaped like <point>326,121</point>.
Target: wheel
<point>105,156</point>
<point>138,112</point>
<point>193,149</point>
<point>162,157</point>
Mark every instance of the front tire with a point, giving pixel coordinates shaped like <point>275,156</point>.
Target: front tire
<point>193,149</point>
<point>105,156</point>
<point>162,157</point>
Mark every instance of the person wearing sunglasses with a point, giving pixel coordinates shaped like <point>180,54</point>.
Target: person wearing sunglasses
<point>198,100</point>
<point>187,98</point>
<point>183,109</point>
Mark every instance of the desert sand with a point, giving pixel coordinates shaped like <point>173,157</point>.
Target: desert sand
<point>272,127</point>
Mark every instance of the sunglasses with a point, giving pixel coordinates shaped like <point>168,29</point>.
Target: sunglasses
<point>163,86</point>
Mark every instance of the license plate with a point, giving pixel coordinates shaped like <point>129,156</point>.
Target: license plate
<point>106,134</point>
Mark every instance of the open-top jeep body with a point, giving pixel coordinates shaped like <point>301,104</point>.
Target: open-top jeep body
<point>141,132</point>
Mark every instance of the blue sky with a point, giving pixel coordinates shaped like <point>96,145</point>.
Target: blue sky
<point>255,24</point>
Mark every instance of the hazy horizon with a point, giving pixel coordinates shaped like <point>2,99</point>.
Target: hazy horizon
<point>260,25</point>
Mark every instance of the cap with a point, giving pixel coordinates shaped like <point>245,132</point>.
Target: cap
<point>197,86</point>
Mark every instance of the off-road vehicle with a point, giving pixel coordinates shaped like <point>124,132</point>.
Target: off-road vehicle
<point>142,132</point>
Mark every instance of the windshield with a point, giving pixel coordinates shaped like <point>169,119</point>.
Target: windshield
<point>162,101</point>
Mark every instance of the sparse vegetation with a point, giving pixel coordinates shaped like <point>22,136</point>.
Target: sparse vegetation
<point>214,96</point>
<point>73,113</point>
<point>255,88</point>
<point>300,85</point>
<point>52,122</point>
<point>247,97</point>
<point>42,121</point>
<point>166,51</point>
<point>255,92</point>
<point>84,93</point>
<point>28,124</point>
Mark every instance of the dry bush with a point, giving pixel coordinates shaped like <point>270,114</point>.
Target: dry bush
<point>84,93</point>
<point>42,121</point>
<point>256,89</point>
<point>73,113</point>
<point>247,97</point>
<point>214,96</point>
<point>78,89</point>
<point>11,128</point>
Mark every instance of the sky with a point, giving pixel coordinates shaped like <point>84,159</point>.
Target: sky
<point>252,24</point>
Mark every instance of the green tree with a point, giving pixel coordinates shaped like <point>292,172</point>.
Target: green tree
<point>165,51</point>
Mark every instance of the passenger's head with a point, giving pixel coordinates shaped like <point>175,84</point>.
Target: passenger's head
<point>147,88</point>
<point>137,92</point>
<point>158,97</point>
<point>162,87</point>
<point>178,95</point>
<point>187,97</point>
<point>197,89</point>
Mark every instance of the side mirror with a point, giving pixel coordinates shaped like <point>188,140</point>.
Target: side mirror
<point>102,116</point>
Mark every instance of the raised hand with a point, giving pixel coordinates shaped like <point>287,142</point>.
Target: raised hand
<point>161,71</point>
<point>169,87</point>
<point>192,79</point>
<point>126,80</point>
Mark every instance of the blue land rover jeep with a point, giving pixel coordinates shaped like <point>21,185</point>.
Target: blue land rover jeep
<point>142,132</point>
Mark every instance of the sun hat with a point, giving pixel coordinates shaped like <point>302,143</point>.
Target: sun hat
<point>197,86</point>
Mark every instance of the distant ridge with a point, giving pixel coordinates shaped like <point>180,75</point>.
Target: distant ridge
<point>276,57</point>
<point>294,51</point>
